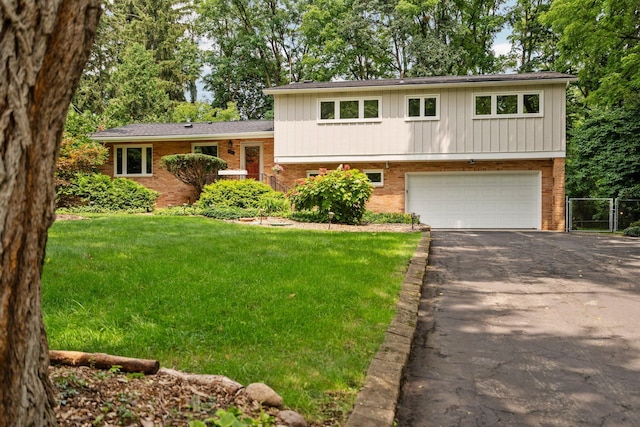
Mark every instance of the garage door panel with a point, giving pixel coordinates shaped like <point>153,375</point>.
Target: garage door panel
<point>476,200</point>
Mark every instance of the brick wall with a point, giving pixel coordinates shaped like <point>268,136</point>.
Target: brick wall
<point>172,191</point>
<point>391,197</point>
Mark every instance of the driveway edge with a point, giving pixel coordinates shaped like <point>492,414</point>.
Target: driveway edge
<point>376,403</point>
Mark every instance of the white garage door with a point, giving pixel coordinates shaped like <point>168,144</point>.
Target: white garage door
<point>476,200</point>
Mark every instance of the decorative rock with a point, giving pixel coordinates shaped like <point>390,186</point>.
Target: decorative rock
<point>293,419</point>
<point>264,394</point>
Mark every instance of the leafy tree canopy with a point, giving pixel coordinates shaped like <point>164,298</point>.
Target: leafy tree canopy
<point>604,155</point>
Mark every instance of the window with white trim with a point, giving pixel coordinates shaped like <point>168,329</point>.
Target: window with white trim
<point>133,160</point>
<point>349,109</point>
<point>376,176</point>
<point>210,149</point>
<point>422,107</point>
<point>313,173</point>
<point>513,104</point>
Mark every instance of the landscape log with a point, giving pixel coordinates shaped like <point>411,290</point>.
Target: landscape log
<point>103,361</point>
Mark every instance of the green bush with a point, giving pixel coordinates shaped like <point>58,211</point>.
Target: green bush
<point>308,216</point>
<point>388,218</point>
<point>245,193</point>
<point>194,169</point>
<point>344,192</point>
<point>632,231</point>
<point>99,193</point>
<point>228,212</point>
<point>274,204</point>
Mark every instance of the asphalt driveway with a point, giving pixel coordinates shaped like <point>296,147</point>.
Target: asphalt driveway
<point>526,329</point>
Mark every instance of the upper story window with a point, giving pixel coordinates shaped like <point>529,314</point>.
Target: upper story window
<point>210,149</point>
<point>422,107</point>
<point>133,160</point>
<point>516,104</point>
<point>349,109</point>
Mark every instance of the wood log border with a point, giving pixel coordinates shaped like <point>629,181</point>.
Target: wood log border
<point>103,361</point>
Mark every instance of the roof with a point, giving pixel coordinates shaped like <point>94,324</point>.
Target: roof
<point>438,81</point>
<point>190,131</point>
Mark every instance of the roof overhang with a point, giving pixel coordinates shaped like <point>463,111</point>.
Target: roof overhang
<point>203,137</point>
<point>299,88</point>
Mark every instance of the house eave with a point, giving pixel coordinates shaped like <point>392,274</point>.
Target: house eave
<point>300,89</point>
<point>164,138</point>
<point>430,157</point>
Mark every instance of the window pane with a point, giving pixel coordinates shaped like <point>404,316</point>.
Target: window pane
<point>134,160</point>
<point>327,110</point>
<point>414,107</point>
<point>209,150</point>
<point>483,105</point>
<point>371,109</point>
<point>374,177</point>
<point>507,104</point>
<point>349,109</point>
<point>149,160</point>
<point>430,107</point>
<point>118,161</point>
<point>531,104</point>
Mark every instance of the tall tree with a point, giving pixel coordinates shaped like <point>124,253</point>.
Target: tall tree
<point>604,155</point>
<point>600,41</point>
<point>533,42</point>
<point>167,28</point>
<point>139,93</point>
<point>253,46</point>
<point>43,47</point>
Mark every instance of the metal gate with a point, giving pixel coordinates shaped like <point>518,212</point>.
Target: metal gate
<point>601,215</point>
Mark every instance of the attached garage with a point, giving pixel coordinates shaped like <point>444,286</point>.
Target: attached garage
<point>476,199</point>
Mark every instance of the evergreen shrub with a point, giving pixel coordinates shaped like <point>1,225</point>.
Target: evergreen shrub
<point>245,193</point>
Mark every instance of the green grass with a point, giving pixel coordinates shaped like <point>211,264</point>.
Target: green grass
<point>302,311</point>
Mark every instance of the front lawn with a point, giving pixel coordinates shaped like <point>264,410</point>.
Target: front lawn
<point>302,311</point>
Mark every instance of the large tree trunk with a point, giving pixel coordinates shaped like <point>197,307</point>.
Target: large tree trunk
<point>44,45</point>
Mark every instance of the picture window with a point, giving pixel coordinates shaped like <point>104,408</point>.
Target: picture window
<point>134,160</point>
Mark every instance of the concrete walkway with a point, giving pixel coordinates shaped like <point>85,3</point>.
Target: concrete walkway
<point>526,329</point>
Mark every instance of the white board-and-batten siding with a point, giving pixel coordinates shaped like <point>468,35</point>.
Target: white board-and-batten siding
<point>456,134</point>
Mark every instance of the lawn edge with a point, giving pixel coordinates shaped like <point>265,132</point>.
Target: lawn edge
<point>376,402</point>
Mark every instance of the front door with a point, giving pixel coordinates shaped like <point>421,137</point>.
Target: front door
<point>252,159</point>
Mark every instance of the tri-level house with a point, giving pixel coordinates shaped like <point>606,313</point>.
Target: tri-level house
<point>460,151</point>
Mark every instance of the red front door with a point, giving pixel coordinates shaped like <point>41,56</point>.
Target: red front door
<point>252,161</point>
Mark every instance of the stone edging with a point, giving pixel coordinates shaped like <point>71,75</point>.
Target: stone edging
<point>376,403</point>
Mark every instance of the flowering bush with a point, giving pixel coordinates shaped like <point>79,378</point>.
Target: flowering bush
<point>344,192</point>
<point>277,168</point>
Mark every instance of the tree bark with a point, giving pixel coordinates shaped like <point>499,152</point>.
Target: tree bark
<point>44,45</point>
<point>103,361</point>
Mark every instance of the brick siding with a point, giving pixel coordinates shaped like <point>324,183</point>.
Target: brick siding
<point>391,197</point>
<point>172,191</point>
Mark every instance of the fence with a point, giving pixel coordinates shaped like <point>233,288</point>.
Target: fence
<point>601,215</point>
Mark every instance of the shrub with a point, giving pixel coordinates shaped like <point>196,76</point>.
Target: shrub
<point>344,192</point>
<point>226,212</point>
<point>194,169</point>
<point>308,216</point>
<point>388,218</point>
<point>246,193</point>
<point>274,204</point>
<point>632,231</point>
<point>99,193</point>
